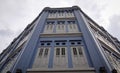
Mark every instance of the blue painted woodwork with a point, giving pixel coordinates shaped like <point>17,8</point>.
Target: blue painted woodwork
<point>96,56</point>
<point>25,58</point>
<point>27,54</point>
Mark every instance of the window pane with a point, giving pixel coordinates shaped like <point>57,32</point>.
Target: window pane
<point>47,26</point>
<point>42,43</point>
<point>46,52</point>
<point>59,26</point>
<point>78,42</point>
<point>63,43</point>
<point>74,26</point>
<point>57,43</point>
<point>41,51</point>
<point>51,26</point>
<point>62,26</point>
<point>70,26</point>
<point>74,51</point>
<point>72,43</point>
<point>63,51</point>
<point>48,43</point>
<point>80,51</point>
<point>57,51</point>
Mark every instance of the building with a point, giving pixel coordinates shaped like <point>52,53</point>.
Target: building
<point>62,40</point>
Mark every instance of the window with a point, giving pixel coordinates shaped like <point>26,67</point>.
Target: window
<point>46,52</point>
<point>51,26</point>
<point>59,26</point>
<point>78,42</point>
<point>52,15</point>
<point>80,51</point>
<point>41,52</point>
<point>57,43</point>
<point>74,26</point>
<point>42,43</point>
<point>70,26</point>
<point>47,26</point>
<point>57,51</point>
<point>63,51</point>
<point>62,26</point>
<point>74,51</point>
<point>72,43</point>
<point>62,13</point>
<point>63,43</point>
<point>48,43</point>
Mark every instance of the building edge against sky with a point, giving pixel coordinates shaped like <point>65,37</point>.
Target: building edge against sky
<point>62,40</point>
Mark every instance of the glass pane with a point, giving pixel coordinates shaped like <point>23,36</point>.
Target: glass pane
<point>46,52</point>
<point>80,51</point>
<point>57,43</point>
<point>42,43</point>
<point>48,43</point>
<point>63,51</point>
<point>74,51</point>
<point>59,26</point>
<point>74,26</point>
<point>70,26</point>
<point>41,51</point>
<point>63,26</point>
<point>51,26</point>
<point>78,42</point>
<point>57,51</point>
<point>63,43</point>
<point>72,43</point>
<point>47,26</point>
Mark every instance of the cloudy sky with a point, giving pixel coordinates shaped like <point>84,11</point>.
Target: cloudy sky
<point>15,15</point>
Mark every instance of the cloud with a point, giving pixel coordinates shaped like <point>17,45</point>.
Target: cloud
<point>114,26</point>
<point>93,9</point>
<point>15,15</point>
<point>6,36</point>
<point>5,33</point>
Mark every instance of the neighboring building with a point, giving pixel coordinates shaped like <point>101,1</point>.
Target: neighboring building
<point>62,40</point>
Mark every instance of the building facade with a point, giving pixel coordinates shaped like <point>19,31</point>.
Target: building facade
<point>62,40</point>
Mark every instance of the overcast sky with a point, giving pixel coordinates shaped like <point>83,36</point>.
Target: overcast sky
<point>15,15</point>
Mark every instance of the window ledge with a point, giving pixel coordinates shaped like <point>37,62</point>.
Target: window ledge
<point>60,34</point>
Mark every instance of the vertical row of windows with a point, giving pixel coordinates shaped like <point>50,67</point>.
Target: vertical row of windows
<point>100,35</point>
<point>113,59</point>
<point>13,57</point>
<point>9,65</point>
